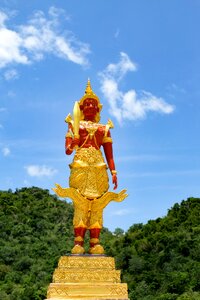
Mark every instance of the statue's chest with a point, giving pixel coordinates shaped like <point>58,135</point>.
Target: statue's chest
<point>92,130</point>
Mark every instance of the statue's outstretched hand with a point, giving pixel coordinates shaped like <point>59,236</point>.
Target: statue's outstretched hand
<point>114,181</point>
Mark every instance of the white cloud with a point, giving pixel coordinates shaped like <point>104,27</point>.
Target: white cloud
<point>10,48</point>
<point>129,105</point>
<point>40,171</point>
<point>11,74</point>
<point>6,151</point>
<point>3,18</point>
<point>40,36</point>
<point>119,70</point>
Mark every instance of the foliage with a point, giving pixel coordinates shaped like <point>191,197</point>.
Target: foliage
<point>159,260</point>
<point>34,226</point>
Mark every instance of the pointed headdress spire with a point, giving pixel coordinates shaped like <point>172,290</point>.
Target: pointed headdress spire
<point>88,89</point>
<point>89,94</point>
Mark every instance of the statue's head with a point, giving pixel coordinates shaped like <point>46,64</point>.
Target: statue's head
<point>90,108</point>
<point>90,104</point>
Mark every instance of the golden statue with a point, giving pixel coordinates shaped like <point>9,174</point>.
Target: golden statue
<point>88,276</point>
<point>88,179</point>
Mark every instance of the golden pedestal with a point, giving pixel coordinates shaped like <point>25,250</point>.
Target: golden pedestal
<point>86,277</point>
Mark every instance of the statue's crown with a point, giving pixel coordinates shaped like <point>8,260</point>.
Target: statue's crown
<point>90,94</point>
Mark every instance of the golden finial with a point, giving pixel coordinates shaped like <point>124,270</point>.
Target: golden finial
<point>88,89</point>
<point>89,92</point>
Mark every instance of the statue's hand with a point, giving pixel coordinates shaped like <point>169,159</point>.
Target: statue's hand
<point>114,181</point>
<point>75,142</point>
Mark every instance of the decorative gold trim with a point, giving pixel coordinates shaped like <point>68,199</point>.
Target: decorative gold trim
<point>78,239</point>
<point>94,240</point>
<point>88,173</point>
<point>63,275</point>
<point>87,290</point>
<point>107,139</point>
<point>88,211</point>
<point>113,172</point>
<point>83,263</point>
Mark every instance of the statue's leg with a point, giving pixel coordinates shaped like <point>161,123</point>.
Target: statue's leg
<point>79,221</point>
<point>95,247</point>
<point>79,234</point>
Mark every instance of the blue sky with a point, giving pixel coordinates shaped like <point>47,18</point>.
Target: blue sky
<point>143,61</point>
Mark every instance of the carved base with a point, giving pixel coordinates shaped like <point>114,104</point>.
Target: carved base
<point>86,277</point>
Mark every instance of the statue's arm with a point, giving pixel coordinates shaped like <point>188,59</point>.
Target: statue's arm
<point>70,141</point>
<point>108,150</point>
<point>68,149</point>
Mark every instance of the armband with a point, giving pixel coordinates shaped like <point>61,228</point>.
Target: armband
<point>107,139</point>
<point>113,172</point>
<point>68,148</point>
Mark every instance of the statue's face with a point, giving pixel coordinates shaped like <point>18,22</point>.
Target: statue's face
<point>90,107</point>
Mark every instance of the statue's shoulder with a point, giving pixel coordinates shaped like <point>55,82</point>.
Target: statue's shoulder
<point>110,124</point>
<point>107,126</point>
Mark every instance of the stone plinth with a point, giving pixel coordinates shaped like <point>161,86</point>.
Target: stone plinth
<point>88,277</point>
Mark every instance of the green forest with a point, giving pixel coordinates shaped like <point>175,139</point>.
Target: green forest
<point>159,260</point>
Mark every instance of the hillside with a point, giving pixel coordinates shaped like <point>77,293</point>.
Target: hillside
<point>159,260</point>
<point>34,226</point>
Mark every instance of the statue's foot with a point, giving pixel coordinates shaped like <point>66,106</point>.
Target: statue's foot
<point>78,249</point>
<point>97,249</point>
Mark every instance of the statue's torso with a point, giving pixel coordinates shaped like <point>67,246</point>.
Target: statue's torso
<point>88,169</point>
<point>91,134</point>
